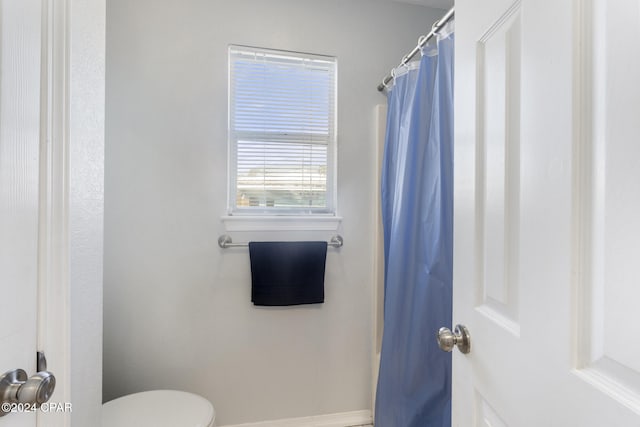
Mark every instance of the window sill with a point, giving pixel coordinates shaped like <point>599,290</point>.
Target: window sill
<point>281,223</point>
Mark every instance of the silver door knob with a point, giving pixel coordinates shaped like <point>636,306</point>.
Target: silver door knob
<point>460,337</point>
<point>16,387</point>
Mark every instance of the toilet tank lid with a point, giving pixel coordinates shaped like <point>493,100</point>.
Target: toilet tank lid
<point>158,408</point>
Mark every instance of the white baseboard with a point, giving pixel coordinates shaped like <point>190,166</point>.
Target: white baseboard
<point>344,419</point>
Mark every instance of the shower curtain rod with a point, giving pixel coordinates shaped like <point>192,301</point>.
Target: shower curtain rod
<point>421,42</point>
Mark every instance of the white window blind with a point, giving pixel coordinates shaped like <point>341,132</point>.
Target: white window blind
<point>282,113</point>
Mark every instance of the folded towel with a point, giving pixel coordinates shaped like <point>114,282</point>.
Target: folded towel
<point>287,273</point>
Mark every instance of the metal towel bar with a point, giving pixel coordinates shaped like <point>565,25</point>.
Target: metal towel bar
<point>225,241</point>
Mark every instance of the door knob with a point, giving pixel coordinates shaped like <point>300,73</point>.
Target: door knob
<point>460,337</point>
<point>16,387</point>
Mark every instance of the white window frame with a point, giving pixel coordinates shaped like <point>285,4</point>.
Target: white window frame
<point>247,216</point>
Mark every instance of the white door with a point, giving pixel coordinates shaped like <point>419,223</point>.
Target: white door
<point>547,201</point>
<point>20,23</point>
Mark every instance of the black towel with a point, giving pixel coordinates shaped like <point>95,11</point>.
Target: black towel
<point>287,273</point>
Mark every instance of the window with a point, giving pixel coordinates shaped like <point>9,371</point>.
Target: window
<point>282,132</point>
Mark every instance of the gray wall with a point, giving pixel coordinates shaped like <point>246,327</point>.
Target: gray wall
<point>177,307</point>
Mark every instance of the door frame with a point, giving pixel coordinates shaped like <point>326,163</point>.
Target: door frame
<point>72,205</point>
<point>54,309</point>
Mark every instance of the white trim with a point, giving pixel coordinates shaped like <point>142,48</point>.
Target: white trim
<point>54,280</point>
<point>378,251</point>
<point>281,223</point>
<point>344,419</point>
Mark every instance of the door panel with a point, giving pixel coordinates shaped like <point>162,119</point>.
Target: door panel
<point>546,201</point>
<point>498,127</point>
<point>610,231</point>
<point>486,416</point>
<point>20,22</point>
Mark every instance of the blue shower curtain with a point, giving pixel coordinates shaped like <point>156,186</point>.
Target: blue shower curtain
<point>414,383</point>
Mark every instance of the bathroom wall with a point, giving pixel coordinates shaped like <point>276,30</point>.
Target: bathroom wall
<point>177,310</point>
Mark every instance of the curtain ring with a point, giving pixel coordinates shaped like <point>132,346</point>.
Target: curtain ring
<point>422,41</point>
<point>434,27</point>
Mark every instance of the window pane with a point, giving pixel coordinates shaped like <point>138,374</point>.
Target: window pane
<point>282,98</point>
<point>282,130</point>
<point>281,175</point>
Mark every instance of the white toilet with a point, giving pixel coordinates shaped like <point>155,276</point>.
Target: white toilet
<point>159,408</point>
